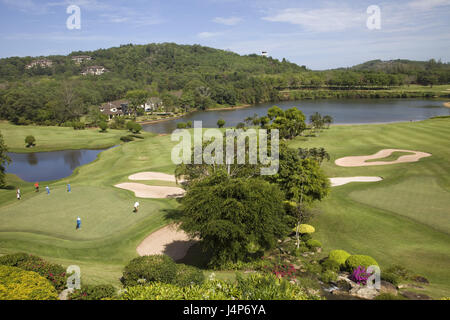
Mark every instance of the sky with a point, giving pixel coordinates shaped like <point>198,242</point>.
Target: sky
<point>318,34</point>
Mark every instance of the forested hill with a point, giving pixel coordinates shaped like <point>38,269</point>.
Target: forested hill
<point>183,76</point>
<point>402,66</point>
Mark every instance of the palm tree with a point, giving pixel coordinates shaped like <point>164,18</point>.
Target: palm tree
<point>328,120</point>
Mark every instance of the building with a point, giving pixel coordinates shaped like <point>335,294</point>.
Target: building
<point>94,70</point>
<point>43,63</point>
<point>153,104</point>
<point>81,59</point>
<point>264,53</point>
<point>115,108</point>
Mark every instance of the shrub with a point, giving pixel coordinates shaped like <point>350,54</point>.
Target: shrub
<point>188,275</point>
<point>189,124</point>
<point>328,276</point>
<point>94,292</point>
<point>55,273</point>
<point>284,271</point>
<point>78,125</point>
<point>355,261</point>
<point>220,123</point>
<point>390,277</point>
<point>146,269</point>
<point>30,140</point>
<point>306,228</point>
<point>18,284</point>
<point>103,126</point>
<point>331,265</point>
<point>399,271</point>
<point>126,138</point>
<point>314,243</point>
<point>134,127</point>
<point>340,256</point>
<point>305,237</point>
<point>360,275</point>
<point>181,125</point>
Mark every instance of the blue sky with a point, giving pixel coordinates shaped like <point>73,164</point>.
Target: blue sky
<point>318,34</point>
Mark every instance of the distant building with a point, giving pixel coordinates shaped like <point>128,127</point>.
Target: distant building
<point>43,63</point>
<point>153,104</point>
<point>94,70</point>
<point>81,59</point>
<point>264,53</point>
<point>115,108</point>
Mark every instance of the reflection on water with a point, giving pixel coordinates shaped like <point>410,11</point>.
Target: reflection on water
<point>343,111</point>
<point>44,166</point>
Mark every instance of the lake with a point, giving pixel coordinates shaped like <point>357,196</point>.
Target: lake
<point>44,166</point>
<point>343,111</point>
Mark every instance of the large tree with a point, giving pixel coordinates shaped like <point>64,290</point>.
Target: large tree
<point>136,98</point>
<point>235,219</point>
<point>4,159</point>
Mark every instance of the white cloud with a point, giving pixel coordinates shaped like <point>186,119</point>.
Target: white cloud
<point>231,21</point>
<point>207,35</point>
<point>321,20</point>
<point>428,4</point>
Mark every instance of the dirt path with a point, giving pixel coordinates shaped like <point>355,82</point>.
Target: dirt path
<point>155,192</point>
<point>168,240</point>
<point>359,161</point>
<point>335,182</point>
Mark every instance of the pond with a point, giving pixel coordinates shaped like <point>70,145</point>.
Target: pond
<point>44,166</point>
<point>344,111</point>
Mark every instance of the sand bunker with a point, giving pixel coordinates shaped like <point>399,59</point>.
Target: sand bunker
<point>168,240</point>
<point>359,161</point>
<point>152,176</point>
<point>447,104</point>
<point>155,192</point>
<point>335,182</point>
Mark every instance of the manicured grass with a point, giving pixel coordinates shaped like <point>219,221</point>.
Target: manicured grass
<point>58,138</point>
<point>392,157</point>
<point>402,219</point>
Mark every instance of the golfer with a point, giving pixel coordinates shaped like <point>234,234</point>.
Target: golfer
<point>36,186</point>
<point>136,206</point>
<point>78,223</point>
<point>68,187</point>
<point>18,194</point>
<point>48,189</point>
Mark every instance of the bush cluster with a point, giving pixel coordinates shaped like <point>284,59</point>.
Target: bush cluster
<point>78,125</point>
<point>311,243</point>
<point>145,269</point>
<point>340,256</point>
<point>356,260</point>
<point>331,265</point>
<point>328,276</point>
<point>18,284</point>
<point>94,292</point>
<point>188,275</point>
<point>55,273</point>
<point>134,127</point>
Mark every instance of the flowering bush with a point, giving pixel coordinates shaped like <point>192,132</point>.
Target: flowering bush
<point>360,275</point>
<point>284,271</point>
<point>55,273</point>
<point>91,292</point>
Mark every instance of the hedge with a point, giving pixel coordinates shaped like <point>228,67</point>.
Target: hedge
<point>340,256</point>
<point>94,292</point>
<point>18,284</point>
<point>354,261</point>
<point>188,275</point>
<point>142,270</point>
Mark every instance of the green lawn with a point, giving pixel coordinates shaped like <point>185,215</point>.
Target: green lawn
<point>58,138</point>
<point>403,219</point>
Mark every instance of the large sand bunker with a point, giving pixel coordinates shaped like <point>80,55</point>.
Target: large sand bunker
<point>168,240</point>
<point>152,176</point>
<point>335,182</point>
<point>359,161</point>
<point>155,192</point>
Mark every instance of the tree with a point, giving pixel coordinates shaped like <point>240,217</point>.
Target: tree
<point>328,120</point>
<point>134,127</point>
<point>316,120</point>
<point>220,123</point>
<point>4,159</point>
<point>235,219</point>
<point>136,98</point>
<point>103,126</point>
<point>181,125</point>
<point>30,140</point>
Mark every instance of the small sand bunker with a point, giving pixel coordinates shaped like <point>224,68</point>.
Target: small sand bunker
<point>152,176</point>
<point>168,240</point>
<point>335,182</point>
<point>155,192</point>
<point>447,104</point>
<point>359,161</point>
